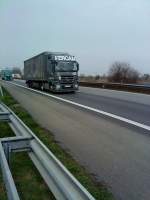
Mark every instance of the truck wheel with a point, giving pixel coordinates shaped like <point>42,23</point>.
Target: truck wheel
<point>30,84</point>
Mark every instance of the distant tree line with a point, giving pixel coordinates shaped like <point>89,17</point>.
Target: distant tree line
<point>146,77</point>
<point>119,72</point>
<point>96,77</point>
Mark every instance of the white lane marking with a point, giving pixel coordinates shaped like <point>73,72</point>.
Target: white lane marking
<point>143,126</point>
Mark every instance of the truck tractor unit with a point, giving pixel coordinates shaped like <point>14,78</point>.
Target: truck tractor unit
<point>57,72</point>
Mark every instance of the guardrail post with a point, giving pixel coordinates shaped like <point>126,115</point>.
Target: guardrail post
<point>7,176</point>
<point>7,151</point>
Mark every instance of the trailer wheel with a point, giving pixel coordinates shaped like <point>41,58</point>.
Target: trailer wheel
<point>29,84</point>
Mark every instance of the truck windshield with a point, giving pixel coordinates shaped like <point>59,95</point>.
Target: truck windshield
<point>66,67</point>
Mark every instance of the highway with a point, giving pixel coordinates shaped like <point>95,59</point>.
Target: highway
<point>134,106</point>
<point>115,151</point>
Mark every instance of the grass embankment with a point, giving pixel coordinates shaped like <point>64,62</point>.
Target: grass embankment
<point>28,182</point>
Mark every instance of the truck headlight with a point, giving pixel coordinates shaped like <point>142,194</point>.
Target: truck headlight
<point>76,85</point>
<point>57,87</point>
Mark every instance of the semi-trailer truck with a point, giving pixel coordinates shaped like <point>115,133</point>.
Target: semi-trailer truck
<point>57,72</point>
<point>6,74</point>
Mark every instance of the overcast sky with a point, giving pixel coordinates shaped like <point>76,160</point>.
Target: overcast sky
<point>97,32</point>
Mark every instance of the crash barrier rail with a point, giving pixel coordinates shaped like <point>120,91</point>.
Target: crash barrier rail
<point>60,181</point>
<point>118,86</point>
<point>1,91</point>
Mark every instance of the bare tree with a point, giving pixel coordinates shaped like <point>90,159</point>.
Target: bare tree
<point>122,72</point>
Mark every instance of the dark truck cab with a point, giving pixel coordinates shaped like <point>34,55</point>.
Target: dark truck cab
<point>53,71</point>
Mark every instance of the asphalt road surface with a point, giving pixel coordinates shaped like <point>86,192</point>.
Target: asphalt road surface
<point>132,106</point>
<point>116,152</point>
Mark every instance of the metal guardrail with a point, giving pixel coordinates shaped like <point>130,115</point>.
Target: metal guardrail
<point>117,86</point>
<point>60,181</point>
<point>1,91</point>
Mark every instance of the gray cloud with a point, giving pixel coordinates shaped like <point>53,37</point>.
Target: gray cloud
<point>97,32</point>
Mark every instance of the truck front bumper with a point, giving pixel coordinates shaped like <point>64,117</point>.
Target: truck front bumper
<point>66,87</point>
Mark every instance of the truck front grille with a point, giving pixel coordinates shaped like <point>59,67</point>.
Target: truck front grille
<point>67,79</point>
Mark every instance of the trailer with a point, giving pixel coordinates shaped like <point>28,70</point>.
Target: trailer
<point>54,71</point>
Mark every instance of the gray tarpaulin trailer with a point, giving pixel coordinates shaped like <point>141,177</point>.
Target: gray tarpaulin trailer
<point>52,71</point>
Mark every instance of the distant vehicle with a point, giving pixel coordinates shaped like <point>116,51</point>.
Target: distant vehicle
<point>16,76</point>
<point>6,75</point>
<point>53,71</point>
